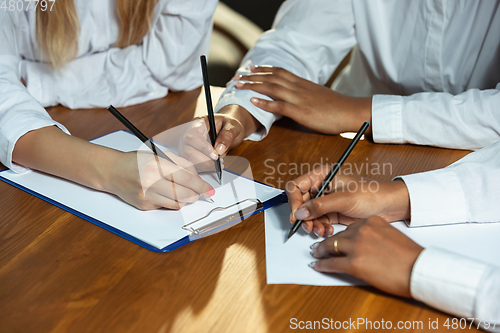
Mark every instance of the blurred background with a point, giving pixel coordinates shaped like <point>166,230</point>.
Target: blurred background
<point>237,26</point>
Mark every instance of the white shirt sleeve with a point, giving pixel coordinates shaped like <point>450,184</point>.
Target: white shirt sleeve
<point>167,58</point>
<point>309,39</point>
<point>19,112</point>
<point>469,120</point>
<point>460,286</point>
<point>466,191</point>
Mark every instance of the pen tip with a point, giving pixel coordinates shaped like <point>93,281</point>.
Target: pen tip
<point>290,234</point>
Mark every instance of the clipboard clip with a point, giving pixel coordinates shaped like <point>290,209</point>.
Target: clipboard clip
<point>225,222</point>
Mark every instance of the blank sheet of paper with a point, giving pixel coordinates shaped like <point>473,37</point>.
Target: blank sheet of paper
<point>287,262</point>
<point>158,228</point>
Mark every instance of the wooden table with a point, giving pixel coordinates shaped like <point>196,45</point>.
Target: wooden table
<point>61,273</point>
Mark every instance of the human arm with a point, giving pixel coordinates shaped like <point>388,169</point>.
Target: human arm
<point>462,192</point>
<point>136,177</point>
<point>464,121</point>
<point>384,257</point>
<point>166,59</point>
<point>348,199</point>
<point>30,137</point>
<point>305,42</point>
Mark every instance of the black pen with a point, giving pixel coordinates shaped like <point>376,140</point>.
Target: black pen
<point>210,110</point>
<point>332,173</point>
<point>149,143</point>
<point>138,133</point>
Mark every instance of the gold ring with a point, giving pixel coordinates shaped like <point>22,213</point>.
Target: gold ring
<point>336,246</point>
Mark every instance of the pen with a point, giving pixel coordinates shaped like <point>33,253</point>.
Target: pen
<point>332,173</point>
<point>157,151</point>
<point>138,133</point>
<point>210,110</point>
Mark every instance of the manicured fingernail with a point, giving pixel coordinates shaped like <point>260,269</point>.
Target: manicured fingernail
<point>254,100</point>
<point>211,192</point>
<point>329,230</point>
<point>253,67</point>
<point>236,77</point>
<point>315,245</point>
<point>312,264</point>
<point>221,148</point>
<point>213,155</point>
<point>302,214</point>
<point>239,84</point>
<point>305,228</point>
<point>199,176</point>
<point>316,230</point>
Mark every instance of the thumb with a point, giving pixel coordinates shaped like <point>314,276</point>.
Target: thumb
<point>226,138</point>
<point>338,202</point>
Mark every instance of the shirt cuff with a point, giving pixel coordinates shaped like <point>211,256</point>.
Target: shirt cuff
<point>387,119</point>
<point>446,281</point>
<point>17,127</point>
<point>436,198</point>
<point>242,98</point>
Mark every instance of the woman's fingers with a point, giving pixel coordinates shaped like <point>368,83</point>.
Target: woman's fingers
<point>276,91</point>
<point>298,190</point>
<point>337,245</point>
<point>278,71</point>
<point>338,202</point>
<point>173,191</point>
<point>184,163</point>
<point>332,265</point>
<point>230,130</point>
<point>184,178</point>
<point>157,200</point>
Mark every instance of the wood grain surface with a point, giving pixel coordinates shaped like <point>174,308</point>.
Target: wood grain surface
<point>60,273</point>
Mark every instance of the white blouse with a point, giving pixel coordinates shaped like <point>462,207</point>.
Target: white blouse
<point>167,58</point>
<point>433,67</point>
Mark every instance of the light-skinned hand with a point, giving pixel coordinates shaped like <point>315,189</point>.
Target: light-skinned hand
<point>149,182</point>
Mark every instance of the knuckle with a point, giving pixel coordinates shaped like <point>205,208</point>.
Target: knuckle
<point>357,263</point>
<point>318,206</point>
<point>228,134</point>
<point>280,107</point>
<point>365,230</point>
<point>274,88</point>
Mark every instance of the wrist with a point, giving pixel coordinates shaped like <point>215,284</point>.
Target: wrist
<point>105,170</point>
<point>397,206</point>
<point>360,111</point>
<point>249,123</point>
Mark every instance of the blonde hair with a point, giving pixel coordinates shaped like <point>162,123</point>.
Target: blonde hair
<point>57,30</point>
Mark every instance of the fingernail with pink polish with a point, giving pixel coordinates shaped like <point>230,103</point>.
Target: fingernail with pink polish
<point>211,192</point>
<point>302,214</point>
<point>236,77</point>
<point>254,100</point>
<point>239,84</point>
<point>316,230</point>
<point>304,227</point>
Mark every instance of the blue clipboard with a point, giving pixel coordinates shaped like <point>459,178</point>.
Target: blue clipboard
<point>276,200</point>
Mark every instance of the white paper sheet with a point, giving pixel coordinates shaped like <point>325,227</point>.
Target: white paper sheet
<point>287,262</point>
<point>157,227</point>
